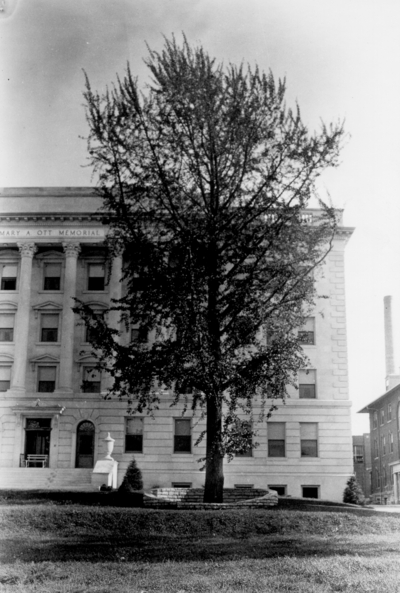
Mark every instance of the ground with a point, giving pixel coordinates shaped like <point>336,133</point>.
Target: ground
<point>67,548</point>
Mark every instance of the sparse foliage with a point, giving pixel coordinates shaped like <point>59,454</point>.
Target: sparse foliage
<point>205,178</point>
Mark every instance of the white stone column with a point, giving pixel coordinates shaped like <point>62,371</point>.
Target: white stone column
<point>72,251</point>
<point>27,251</point>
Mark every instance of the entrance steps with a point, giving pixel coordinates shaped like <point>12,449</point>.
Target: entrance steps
<point>45,478</point>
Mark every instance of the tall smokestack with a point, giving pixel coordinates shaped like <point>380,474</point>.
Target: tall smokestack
<point>389,344</point>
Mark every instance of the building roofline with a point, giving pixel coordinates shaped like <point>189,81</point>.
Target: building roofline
<point>368,408</point>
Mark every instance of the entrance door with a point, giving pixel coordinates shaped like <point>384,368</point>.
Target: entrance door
<point>37,438</point>
<point>85,444</point>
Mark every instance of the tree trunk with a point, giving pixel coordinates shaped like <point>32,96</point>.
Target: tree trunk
<point>214,486</point>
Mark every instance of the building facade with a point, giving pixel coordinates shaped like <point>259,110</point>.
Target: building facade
<point>362,462</point>
<point>53,414</point>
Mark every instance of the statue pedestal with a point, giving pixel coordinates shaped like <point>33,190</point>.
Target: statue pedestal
<point>105,472</point>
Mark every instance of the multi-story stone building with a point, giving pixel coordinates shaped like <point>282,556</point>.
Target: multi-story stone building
<point>51,402</point>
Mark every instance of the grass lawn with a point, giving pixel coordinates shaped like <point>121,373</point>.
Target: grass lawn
<point>82,549</point>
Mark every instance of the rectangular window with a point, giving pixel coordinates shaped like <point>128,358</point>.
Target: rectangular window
<point>383,445</point>
<point>9,277</point>
<point>134,435</point>
<point>378,478</point>
<point>375,420</point>
<point>280,490</point>
<point>182,436</point>
<point>276,439</point>
<point>306,334</point>
<point>91,380</point>
<point>376,448</point>
<point>389,412</point>
<point>358,454</point>
<point>96,277</point>
<point>46,379</point>
<point>307,384</point>
<point>52,277</point>
<point>382,416</point>
<point>5,378</point>
<point>7,327</point>
<point>49,328</point>
<point>391,442</point>
<point>246,428</point>
<point>309,439</point>
<point>310,491</point>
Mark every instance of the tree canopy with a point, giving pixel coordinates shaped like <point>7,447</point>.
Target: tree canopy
<point>205,178</point>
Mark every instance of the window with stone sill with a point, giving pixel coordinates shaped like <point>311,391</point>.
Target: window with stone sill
<point>134,435</point>
<point>7,321</point>
<point>382,416</point>
<point>5,378</point>
<point>307,384</point>
<point>276,439</point>
<point>91,380</point>
<point>306,333</point>
<point>182,435</point>
<point>96,274</point>
<point>248,452</point>
<point>310,491</point>
<point>8,273</point>
<point>389,412</point>
<point>46,379</point>
<point>375,420</point>
<point>49,327</point>
<point>52,277</point>
<point>309,439</point>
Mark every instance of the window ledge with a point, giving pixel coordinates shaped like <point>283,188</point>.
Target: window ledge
<point>95,291</point>
<point>9,292</point>
<point>48,344</point>
<point>50,291</point>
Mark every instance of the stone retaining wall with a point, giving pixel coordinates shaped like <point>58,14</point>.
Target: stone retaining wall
<point>192,498</point>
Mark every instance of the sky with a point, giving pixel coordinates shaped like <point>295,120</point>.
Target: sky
<point>341,61</point>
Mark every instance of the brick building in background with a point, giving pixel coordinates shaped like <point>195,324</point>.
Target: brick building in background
<point>51,403</point>
<point>384,419</point>
<point>362,462</point>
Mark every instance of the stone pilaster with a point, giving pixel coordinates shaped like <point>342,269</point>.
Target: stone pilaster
<point>27,251</point>
<point>72,251</point>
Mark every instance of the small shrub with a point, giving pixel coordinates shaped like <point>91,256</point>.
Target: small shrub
<point>353,493</point>
<point>133,478</point>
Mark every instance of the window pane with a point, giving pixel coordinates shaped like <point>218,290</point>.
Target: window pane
<point>47,373</point>
<point>9,271</point>
<point>4,385</point>
<point>50,321</point>
<point>276,448</point>
<point>134,443</point>
<point>96,270</point>
<point>6,335</point>
<point>134,426</point>
<point>7,320</point>
<point>276,430</point>
<point>308,430</point>
<point>310,491</point>
<point>306,391</point>
<point>5,373</point>
<point>52,270</point>
<point>91,380</point>
<point>309,448</point>
<point>307,376</point>
<point>182,437</point>
<point>182,427</point>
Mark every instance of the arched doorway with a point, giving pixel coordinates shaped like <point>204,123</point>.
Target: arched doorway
<point>85,444</point>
